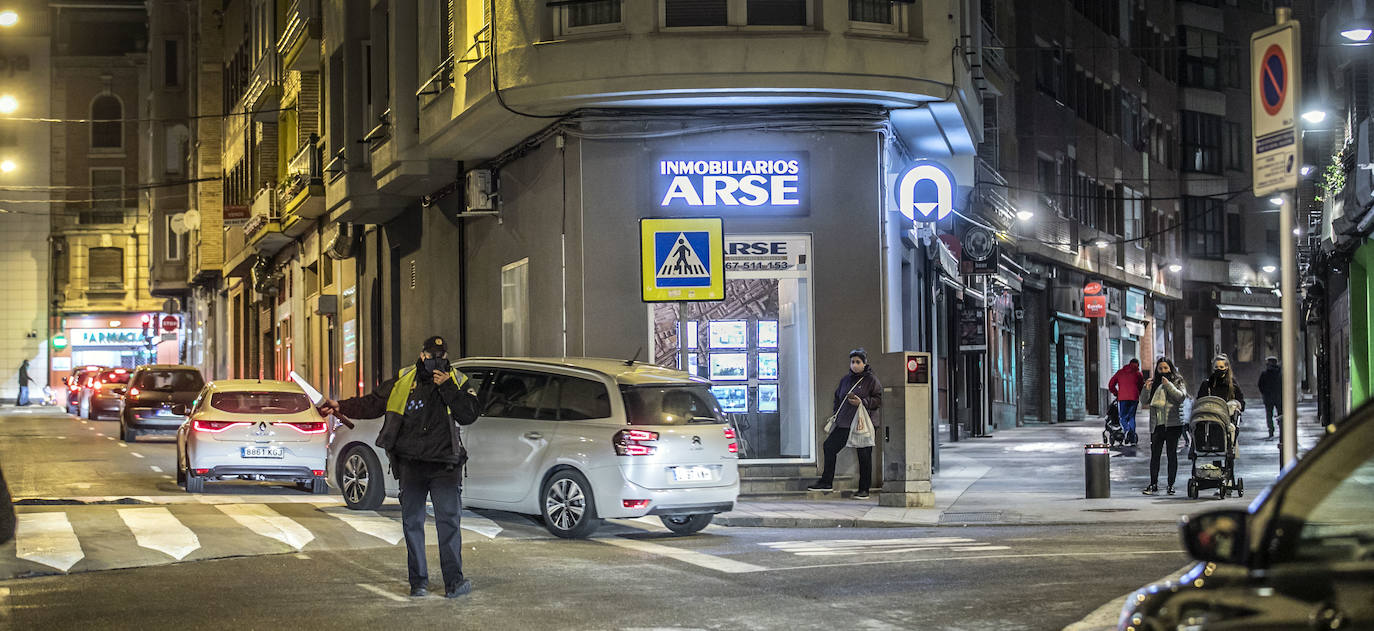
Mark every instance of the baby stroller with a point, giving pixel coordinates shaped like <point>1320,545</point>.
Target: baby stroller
<point>1214,435</point>
<point>1114,435</point>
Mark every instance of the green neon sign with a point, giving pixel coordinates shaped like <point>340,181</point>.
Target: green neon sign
<point>59,341</point>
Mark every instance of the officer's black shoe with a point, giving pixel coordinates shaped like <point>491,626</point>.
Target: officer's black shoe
<point>419,591</point>
<point>462,589</point>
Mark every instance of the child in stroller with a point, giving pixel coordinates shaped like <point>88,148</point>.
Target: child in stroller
<point>1113,434</point>
<point>1214,434</point>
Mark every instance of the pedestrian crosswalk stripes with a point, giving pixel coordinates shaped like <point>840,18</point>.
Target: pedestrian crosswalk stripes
<point>155,528</point>
<point>74,538</point>
<point>263,520</point>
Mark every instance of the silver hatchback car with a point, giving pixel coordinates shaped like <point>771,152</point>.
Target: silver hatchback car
<point>252,430</point>
<point>574,440</point>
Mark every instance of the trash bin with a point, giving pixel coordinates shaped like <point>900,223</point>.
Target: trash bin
<point>1097,474</point>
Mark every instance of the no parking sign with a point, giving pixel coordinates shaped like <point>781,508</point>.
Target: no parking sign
<point>1274,78</point>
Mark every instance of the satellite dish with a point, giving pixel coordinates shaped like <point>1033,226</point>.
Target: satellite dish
<point>192,218</point>
<point>178,224</point>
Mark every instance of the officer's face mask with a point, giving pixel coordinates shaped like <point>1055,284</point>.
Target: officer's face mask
<point>426,367</point>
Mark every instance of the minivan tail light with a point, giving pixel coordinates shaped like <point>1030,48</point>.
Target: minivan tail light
<point>733,447</point>
<point>308,427</point>
<point>634,503</point>
<point>635,442</point>
<point>133,392</point>
<point>215,427</point>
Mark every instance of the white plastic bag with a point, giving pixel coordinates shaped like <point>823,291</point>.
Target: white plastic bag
<point>861,432</point>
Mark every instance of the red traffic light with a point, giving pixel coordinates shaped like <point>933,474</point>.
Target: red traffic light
<point>147,319</point>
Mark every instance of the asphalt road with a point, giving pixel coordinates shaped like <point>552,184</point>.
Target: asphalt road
<point>262,556</point>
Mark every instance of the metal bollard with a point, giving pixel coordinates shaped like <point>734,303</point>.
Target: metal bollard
<point>1097,476</point>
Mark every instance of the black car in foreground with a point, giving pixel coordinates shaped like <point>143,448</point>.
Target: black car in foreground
<point>1300,557</point>
<point>156,399</point>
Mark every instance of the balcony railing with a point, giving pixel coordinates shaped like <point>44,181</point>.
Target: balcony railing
<point>299,41</point>
<point>265,214</point>
<point>305,169</point>
<point>438,82</point>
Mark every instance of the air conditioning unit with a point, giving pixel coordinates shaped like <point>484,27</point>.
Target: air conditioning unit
<point>480,192</point>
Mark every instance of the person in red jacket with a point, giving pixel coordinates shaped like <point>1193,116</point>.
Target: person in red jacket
<point>1126,385</point>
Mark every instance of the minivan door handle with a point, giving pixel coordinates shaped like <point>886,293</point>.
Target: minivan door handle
<point>533,435</point>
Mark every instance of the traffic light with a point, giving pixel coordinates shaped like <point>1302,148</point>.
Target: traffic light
<point>147,326</point>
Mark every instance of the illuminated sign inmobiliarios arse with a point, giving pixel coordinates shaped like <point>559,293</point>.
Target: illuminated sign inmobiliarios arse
<point>733,182</point>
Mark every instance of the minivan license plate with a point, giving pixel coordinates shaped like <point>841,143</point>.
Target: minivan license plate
<point>264,452</point>
<point>692,474</point>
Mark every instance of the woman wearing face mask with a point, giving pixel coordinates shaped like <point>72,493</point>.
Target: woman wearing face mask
<point>1165,393</point>
<point>858,387</point>
<point>1222,383</point>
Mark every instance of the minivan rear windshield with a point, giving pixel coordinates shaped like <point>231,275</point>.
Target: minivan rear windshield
<point>671,405</point>
<point>114,376</point>
<point>171,380</point>
<point>260,402</point>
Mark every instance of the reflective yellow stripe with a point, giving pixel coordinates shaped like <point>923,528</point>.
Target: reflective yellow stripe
<point>405,380</point>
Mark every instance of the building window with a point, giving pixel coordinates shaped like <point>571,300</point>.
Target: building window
<point>106,266</point>
<point>108,130</point>
<point>176,243</point>
<point>1048,181</point>
<point>871,11</point>
<point>1200,56</point>
<point>1203,218</point>
<point>1132,211</point>
<point>171,59</point>
<point>597,15</point>
<point>1049,71</point>
<point>700,13</point>
<point>678,13</point>
<point>1235,146</point>
<point>515,309</point>
<point>990,149</point>
<point>107,187</point>
<point>177,140</point>
<point>1235,234</point>
<point>1201,142</point>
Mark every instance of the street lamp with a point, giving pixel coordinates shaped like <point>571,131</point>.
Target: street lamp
<point>1024,215</point>
<point>1277,201</point>
<point>1355,34</point>
<point>1175,267</point>
<point>7,166</point>
<point>1101,243</point>
<point>8,104</point>
<point>1306,170</point>
<point>1314,116</point>
<point>1269,269</point>
<point>8,18</point>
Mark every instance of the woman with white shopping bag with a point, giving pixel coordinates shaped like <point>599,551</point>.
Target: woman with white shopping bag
<point>857,400</point>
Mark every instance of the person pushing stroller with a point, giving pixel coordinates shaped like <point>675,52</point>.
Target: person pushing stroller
<point>1221,383</point>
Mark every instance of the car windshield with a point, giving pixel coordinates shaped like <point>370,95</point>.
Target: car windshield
<point>260,402</point>
<point>170,380</point>
<point>115,376</point>
<point>671,405</point>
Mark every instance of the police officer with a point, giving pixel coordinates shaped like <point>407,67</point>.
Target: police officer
<point>423,406</point>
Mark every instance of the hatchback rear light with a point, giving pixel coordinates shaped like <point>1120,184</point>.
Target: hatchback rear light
<point>635,442</point>
<point>730,436</point>
<point>201,471</point>
<point>215,427</point>
<point>635,503</point>
<point>317,472</point>
<point>308,427</point>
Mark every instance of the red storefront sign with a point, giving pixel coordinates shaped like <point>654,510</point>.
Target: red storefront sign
<point>1094,306</point>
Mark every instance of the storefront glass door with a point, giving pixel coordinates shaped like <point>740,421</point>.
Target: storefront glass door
<point>755,346</point>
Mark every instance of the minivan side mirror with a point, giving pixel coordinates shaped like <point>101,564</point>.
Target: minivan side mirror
<point>1218,536</point>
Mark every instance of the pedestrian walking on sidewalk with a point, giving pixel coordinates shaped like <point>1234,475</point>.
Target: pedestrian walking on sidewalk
<point>1271,389</point>
<point>1126,385</point>
<point>423,406</point>
<point>1166,394</point>
<point>24,382</point>
<point>858,387</point>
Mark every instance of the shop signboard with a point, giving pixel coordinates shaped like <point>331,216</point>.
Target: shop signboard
<point>682,259</point>
<point>1094,301</point>
<point>236,213</point>
<point>973,327</point>
<point>979,253</point>
<point>757,183</point>
<point>776,253</point>
<point>107,337</point>
<point>1135,305</point>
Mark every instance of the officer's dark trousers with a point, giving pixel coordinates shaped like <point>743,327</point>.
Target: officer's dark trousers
<point>441,485</point>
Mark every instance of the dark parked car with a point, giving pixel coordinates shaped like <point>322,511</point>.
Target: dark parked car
<point>157,398</point>
<point>100,396</point>
<point>75,383</point>
<point>1300,557</point>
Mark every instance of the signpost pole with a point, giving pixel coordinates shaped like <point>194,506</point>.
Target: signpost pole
<point>1288,285</point>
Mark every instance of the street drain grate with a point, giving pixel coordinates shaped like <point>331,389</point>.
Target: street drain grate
<point>1109,510</point>
<point>971,518</point>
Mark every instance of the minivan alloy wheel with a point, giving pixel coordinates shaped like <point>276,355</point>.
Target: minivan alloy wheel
<point>565,503</point>
<point>356,478</point>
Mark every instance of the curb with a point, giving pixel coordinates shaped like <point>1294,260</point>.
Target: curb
<point>811,522</point>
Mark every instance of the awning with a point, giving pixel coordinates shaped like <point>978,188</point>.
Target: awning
<point>1250,312</point>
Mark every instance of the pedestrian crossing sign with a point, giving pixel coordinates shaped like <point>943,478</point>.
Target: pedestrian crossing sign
<point>682,259</point>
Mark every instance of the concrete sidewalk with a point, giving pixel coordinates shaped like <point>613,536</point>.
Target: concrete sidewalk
<point>1034,475</point>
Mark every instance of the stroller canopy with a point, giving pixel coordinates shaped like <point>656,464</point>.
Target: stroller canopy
<point>1211,409</point>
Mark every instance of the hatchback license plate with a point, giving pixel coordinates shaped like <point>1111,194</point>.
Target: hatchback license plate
<point>264,452</point>
<point>693,474</point>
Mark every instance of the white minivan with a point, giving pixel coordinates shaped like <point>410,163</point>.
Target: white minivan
<point>574,440</point>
